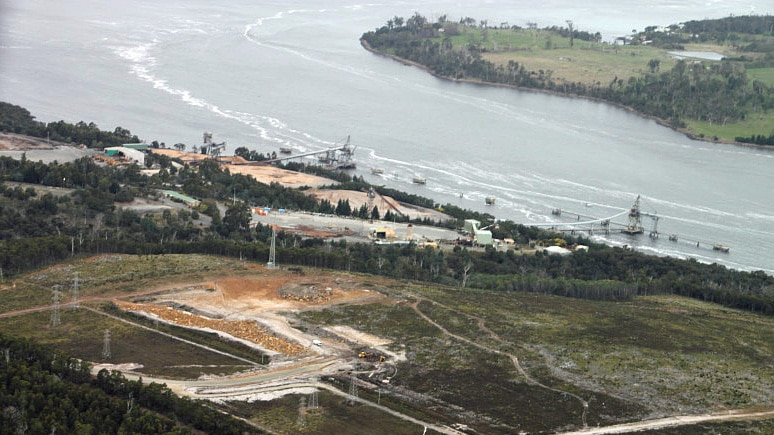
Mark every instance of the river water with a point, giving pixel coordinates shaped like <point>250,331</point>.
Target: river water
<point>292,73</point>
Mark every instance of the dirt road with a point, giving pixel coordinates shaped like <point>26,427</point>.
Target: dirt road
<point>257,383</point>
<point>675,421</point>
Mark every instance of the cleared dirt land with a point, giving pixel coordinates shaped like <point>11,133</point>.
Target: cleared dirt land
<point>37,149</point>
<point>249,307</point>
<point>264,173</point>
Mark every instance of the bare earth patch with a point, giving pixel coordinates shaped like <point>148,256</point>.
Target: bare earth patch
<point>250,308</point>
<point>264,173</point>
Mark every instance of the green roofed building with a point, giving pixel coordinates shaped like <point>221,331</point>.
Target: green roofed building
<point>137,146</point>
<point>177,196</point>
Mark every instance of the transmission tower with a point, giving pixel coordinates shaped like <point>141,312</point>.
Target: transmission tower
<point>130,403</point>
<point>273,252</point>
<point>106,345</point>
<point>75,292</point>
<point>55,297</point>
<point>654,232</point>
<point>301,412</point>
<point>352,389</point>
<point>313,402</point>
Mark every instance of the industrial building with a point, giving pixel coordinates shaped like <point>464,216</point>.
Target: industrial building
<point>126,153</point>
<point>177,196</point>
<point>481,236</point>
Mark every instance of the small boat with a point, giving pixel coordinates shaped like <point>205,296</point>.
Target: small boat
<point>419,180</point>
<point>489,200</point>
<point>377,171</point>
<point>556,212</point>
<point>286,150</point>
<point>721,248</point>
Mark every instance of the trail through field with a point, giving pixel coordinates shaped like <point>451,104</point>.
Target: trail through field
<point>514,358</point>
<point>674,421</point>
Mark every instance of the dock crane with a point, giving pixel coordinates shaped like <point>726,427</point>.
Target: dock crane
<point>210,148</point>
<point>635,220</point>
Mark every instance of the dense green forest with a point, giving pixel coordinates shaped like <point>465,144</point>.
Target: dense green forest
<point>44,391</point>
<point>15,119</point>
<point>714,92</point>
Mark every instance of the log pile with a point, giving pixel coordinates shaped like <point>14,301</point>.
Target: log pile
<point>243,329</point>
<point>306,293</point>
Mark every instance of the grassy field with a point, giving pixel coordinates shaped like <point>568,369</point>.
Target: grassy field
<point>650,357</point>
<point>760,123</point>
<point>766,75</point>
<point>586,62</point>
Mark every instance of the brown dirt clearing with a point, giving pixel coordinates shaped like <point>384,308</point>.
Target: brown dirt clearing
<point>251,307</point>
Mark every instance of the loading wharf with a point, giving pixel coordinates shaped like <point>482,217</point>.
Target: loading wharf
<point>594,225</point>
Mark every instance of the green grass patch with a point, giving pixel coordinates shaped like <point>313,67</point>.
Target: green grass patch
<point>756,123</point>
<point>766,75</point>
<point>599,65</point>
<point>586,62</point>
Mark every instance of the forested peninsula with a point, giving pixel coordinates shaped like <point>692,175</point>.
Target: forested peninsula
<point>82,217</point>
<point>729,99</point>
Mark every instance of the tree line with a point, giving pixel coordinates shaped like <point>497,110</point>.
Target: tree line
<point>46,391</point>
<point>16,119</point>
<point>691,90</point>
<point>742,32</point>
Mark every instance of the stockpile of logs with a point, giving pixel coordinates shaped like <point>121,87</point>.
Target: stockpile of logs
<point>243,329</point>
<point>306,293</point>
